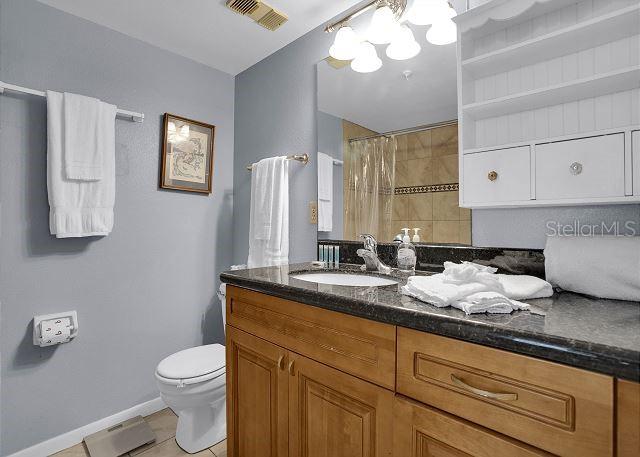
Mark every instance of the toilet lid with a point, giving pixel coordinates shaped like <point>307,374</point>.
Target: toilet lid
<point>193,362</point>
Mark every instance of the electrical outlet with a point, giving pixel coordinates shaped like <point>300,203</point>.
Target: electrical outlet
<point>313,212</point>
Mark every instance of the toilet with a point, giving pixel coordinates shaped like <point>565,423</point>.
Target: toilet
<point>193,384</point>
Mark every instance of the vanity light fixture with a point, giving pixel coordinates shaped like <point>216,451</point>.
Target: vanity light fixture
<point>386,27</point>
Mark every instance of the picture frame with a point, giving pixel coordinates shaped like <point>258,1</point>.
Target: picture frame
<point>187,154</point>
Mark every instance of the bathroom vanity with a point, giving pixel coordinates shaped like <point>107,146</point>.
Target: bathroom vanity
<point>316,369</point>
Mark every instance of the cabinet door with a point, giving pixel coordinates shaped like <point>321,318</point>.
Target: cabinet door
<point>335,414</point>
<point>257,397</point>
<point>635,159</point>
<point>421,431</point>
<point>628,419</point>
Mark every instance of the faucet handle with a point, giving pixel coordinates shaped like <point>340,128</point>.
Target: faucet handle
<point>370,242</point>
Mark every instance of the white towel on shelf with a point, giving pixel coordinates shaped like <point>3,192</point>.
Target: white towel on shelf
<point>476,288</point>
<point>80,207</point>
<point>600,266</point>
<point>325,192</point>
<point>269,216</point>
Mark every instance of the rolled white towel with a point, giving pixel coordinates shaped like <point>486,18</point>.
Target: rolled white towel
<point>489,302</point>
<point>601,266</point>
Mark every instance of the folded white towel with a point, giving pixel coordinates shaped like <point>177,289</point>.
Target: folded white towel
<point>87,124</point>
<point>269,213</point>
<point>325,192</point>
<point>77,207</point>
<point>434,290</point>
<point>523,287</point>
<point>601,266</point>
<point>489,302</point>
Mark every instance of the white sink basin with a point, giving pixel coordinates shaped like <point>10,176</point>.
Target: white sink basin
<point>345,279</point>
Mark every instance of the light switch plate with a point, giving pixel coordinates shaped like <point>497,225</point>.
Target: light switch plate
<point>313,212</point>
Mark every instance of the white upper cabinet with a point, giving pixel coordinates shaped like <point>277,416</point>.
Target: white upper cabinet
<point>561,78</point>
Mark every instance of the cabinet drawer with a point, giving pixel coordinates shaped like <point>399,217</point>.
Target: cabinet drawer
<point>421,431</point>
<point>560,409</point>
<point>357,346</point>
<point>584,168</point>
<point>497,176</point>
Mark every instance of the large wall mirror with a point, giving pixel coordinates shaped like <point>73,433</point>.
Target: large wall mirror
<point>388,145</point>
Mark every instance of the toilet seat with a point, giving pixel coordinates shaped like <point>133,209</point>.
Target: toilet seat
<point>193,365</point>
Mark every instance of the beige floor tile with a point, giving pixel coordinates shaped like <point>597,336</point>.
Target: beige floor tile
<point>420,207</point>
<point>220,449</point>
<point>170,448</point>
<point>445,169</point>
<point>163,423</point>
<point>446,231</point>
<point>79,450</point>
<point>419,172</point>
<point>445,206</point>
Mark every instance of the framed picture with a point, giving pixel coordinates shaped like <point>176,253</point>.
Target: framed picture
<point>187,154</point>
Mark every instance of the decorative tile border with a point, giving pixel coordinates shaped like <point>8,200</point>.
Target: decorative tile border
<point>427,189</point>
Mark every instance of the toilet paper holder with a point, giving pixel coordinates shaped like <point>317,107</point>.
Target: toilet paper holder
<point>46,322</point>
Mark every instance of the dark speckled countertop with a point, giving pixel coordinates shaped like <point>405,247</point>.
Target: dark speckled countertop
<point>584,332</point>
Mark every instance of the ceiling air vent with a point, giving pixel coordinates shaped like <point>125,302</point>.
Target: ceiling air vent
<point>260,12</point>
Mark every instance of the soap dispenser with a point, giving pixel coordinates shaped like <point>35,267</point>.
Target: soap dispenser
<point>416,237</point>
<point>406,254</point>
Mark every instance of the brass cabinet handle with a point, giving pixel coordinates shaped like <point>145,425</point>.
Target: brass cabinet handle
<point>281,362</point>
<point>483,393</point>
<point>493,175</point>
<point>290,368</point>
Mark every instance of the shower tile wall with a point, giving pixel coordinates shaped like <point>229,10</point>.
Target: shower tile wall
<point>429,158</point>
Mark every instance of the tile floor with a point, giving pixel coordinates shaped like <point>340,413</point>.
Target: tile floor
<point>163,423</point>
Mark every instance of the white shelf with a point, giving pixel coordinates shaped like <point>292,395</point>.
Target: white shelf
<point>563,202</point>
<point>610,27</point>
<point>604,84</point>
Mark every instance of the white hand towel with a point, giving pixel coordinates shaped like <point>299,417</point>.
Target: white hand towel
<point>87,123</point>
<point>325,192</point>
<point>489,302</point>
<point>269,216</point>
<point>524,287</point>
<point>79,208</point>
<point>601,266</point>
<point>434,290</point>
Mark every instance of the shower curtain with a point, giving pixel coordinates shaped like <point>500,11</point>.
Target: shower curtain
<point>369,188</point>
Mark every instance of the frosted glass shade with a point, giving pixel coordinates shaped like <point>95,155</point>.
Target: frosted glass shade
<point>383,26</point>
<point>367,59</point>
<point>442,32</point>
<point>346,44</point>
<point>403,45</point>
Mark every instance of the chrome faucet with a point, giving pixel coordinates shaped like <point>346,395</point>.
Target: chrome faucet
<point>370,255</point>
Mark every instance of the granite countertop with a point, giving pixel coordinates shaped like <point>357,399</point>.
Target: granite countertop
<point>594,334</point>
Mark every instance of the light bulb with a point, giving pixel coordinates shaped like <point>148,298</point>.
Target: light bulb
<point>442,32</point>
<point>383,25</point>
<point>346,44</point>
<point>403,45</point>
<point>367,59</point>
<point>426,12</point>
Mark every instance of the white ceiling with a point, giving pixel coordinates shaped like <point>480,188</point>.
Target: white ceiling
<point>205,30</point>
<point>385,100</point>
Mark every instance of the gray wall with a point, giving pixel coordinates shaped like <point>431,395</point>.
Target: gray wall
<point>330,139</point>
<point>278,98</point>
<point>145,291</point>
<point>276,115</point>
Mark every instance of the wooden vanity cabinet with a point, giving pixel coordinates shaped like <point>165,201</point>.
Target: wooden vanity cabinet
<point>628,418</point>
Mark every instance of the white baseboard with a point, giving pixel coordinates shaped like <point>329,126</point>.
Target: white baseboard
<point>66,440</point>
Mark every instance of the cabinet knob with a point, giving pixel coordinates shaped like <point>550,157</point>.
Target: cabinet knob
<point>290,368</point>
<point>281,362</point>
<point>575,168</point>
<point>493,175</point>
